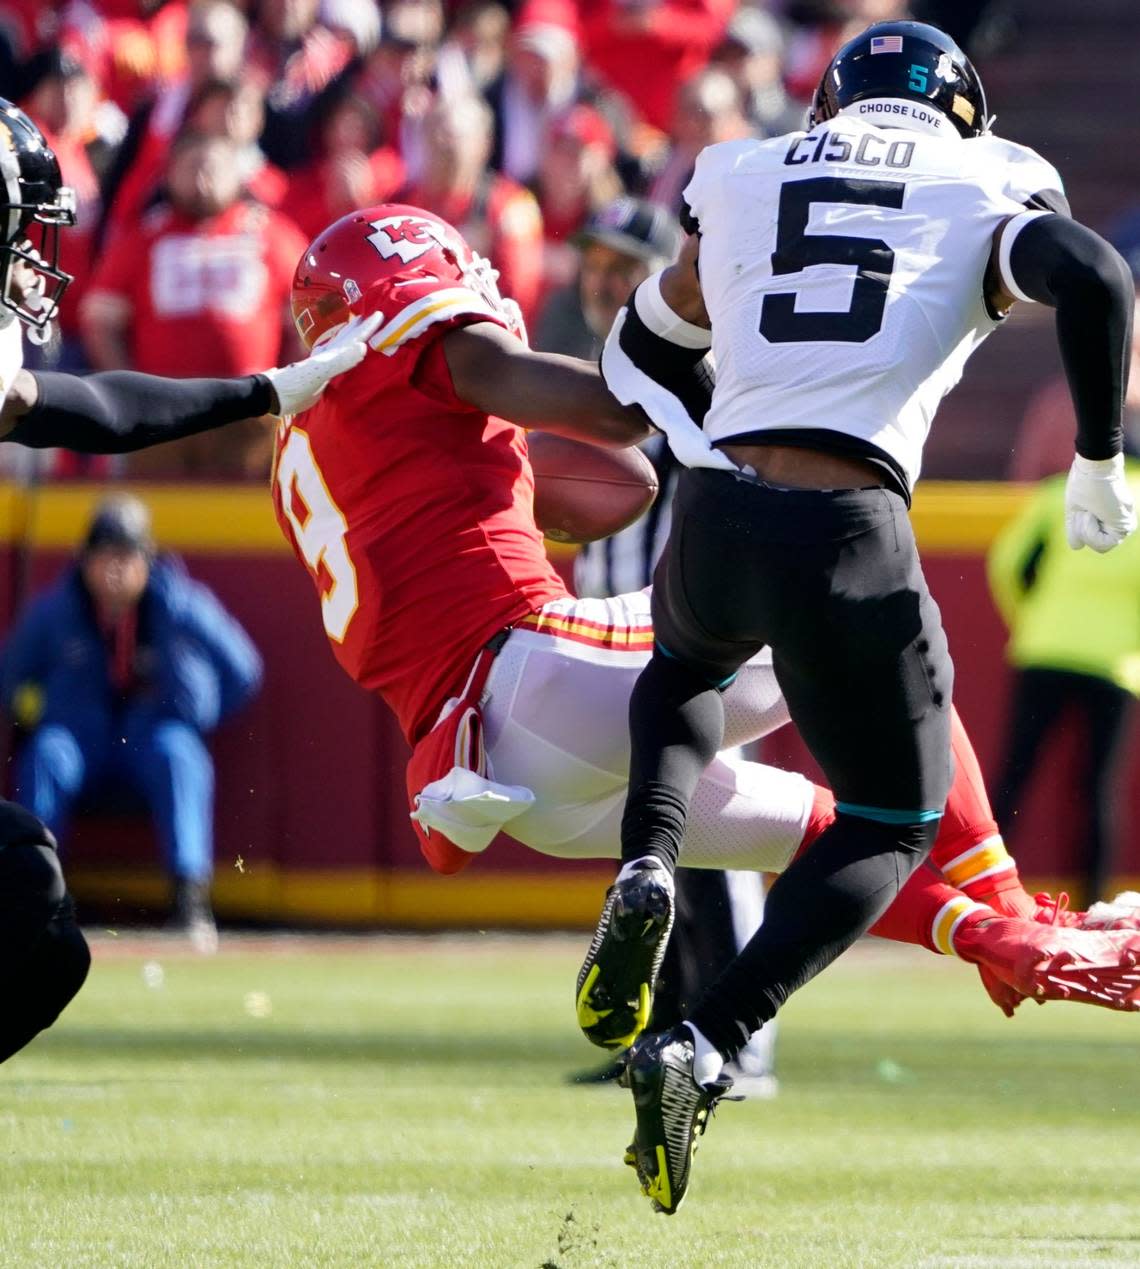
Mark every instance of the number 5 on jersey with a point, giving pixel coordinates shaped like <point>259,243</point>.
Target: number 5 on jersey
<point>319,529</point>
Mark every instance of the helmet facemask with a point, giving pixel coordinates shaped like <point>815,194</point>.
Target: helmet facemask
<point>32,284</point>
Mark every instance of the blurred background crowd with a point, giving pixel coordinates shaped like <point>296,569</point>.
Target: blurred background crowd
<point>208,140</point>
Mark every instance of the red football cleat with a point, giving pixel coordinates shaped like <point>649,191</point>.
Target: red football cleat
<point>1121,913</point>
<point>1021,960</point>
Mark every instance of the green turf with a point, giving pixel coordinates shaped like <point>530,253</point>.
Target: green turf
<point>404,1103</point>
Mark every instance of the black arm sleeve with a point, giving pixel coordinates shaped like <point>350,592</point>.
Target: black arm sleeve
<point>1049,200</point>
<point>1064,264</point>
<point>684,372</point>
<point>119,411</point>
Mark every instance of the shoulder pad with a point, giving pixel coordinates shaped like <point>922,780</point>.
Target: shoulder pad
<point>411,305</point>
<point>712,163</point>
<point>1023,172</point>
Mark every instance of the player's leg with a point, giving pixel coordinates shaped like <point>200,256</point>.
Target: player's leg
<point>972,855</point>
<point>556,722</point>
<point>832,582</point>
<point>1017,958</point>
<point>754,705</point>
<point>862,659</point>
<point>969,850</point>
<point>44,956</point>
<point>677,725</point>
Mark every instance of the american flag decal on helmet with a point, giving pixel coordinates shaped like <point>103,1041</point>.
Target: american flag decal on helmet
<point>886,44</point>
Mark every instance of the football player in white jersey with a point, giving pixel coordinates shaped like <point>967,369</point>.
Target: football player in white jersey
<point>842,277</point>
<point>43,956</point>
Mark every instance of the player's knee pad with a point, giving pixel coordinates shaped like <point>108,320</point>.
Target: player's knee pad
<point>44,957</point>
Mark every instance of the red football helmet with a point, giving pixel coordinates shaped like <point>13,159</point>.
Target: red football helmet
<point>352,267</point>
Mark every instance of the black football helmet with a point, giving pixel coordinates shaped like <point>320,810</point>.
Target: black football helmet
<point>34,206</point>
<point>907,60</point>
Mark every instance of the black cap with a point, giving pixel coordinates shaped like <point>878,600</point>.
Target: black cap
<point>120,521</point>
<point>635,227</point>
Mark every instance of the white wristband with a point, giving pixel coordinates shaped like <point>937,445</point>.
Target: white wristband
<point>1113,466</point>
<point>655,312</point>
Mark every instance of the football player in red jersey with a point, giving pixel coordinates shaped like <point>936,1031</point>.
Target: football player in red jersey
<point>409,499</point>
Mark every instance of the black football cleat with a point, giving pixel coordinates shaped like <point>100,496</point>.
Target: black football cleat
<point>614,993</point>
<point>672,1112</point>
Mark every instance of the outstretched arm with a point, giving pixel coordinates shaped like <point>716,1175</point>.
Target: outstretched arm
<point>492,371</point>
<point>119,410</point>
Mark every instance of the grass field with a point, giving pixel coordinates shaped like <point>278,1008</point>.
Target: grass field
<point>403,1102</point>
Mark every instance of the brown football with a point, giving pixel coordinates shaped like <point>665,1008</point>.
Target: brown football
<point>584,492</point>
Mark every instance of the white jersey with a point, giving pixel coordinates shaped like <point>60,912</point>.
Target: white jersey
<point>843,272</point>
<point>11,352</point>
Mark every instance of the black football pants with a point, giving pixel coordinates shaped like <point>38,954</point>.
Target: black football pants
<point>831,581</point>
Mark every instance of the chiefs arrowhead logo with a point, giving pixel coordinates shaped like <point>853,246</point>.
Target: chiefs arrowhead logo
<point>405,236</point>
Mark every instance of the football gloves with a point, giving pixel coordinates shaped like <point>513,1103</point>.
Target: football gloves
<point>299,386</point>
<point>1098,504</point>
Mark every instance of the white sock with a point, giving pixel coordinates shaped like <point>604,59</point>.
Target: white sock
<point>639,865</point>
<point>707,1061</point>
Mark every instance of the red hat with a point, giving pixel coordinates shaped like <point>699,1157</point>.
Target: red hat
<point>560,15</point>
<point>585,125</point>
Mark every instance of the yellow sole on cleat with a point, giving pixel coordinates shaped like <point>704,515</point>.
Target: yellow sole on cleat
<point>658,1188</point>
<point>588,1016</point>
<point>640,1018</point>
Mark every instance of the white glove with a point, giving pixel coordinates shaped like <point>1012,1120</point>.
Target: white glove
<point>299,386</point>
<point>1098,504</point>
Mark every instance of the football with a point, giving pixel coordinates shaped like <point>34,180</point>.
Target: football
<point>584,492</point>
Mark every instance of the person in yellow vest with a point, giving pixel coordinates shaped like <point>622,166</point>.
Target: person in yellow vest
<point>1074,622</point>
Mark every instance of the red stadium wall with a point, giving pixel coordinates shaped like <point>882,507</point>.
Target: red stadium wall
<point>311,820</point>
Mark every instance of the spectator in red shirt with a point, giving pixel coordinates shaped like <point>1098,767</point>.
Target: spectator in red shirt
<point>200,289</point>
<point>216,35</point>
<point>236,110</point>
<point>645,49</point>
<point>498,218</point>
<point>575,179</point>
<point>352,168</point>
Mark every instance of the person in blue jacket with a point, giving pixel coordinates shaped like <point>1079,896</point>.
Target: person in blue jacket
<point>118,671</point>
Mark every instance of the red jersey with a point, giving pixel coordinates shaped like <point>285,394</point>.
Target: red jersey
<point>412,510</point>
<point>203,297</point>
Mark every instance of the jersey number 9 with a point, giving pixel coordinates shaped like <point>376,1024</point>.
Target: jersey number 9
<point>319,529</point>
